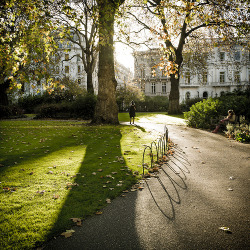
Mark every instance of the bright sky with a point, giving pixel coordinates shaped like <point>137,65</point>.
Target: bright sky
<point>123,55</point>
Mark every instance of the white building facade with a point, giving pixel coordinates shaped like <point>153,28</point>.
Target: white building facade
<point>67,62</point>
<point>226,69</point>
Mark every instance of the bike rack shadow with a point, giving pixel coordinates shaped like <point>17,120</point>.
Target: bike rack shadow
<point>173,168</point>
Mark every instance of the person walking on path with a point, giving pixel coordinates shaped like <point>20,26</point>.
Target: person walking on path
<point>132,112</point>
<point>230,117</point>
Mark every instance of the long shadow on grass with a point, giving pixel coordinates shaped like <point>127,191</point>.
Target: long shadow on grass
<point>115,227</point>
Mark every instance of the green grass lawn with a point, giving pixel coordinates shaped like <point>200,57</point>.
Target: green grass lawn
<point>52,171</point>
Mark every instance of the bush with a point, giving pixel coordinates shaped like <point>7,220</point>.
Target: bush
<point>185,106</point>
<point>5,111</point>
<point>12,111</point>
<point>30,102</point>
<point>239,101</point>
<point>153,104</point>
<point>53,110</point>
<point>242,137</point>
<point>84,106</point>
<point>201,113</point>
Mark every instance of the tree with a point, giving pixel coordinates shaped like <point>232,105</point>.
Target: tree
<point>80,27</point>
<point>24,30</point>
<point>106,110</point>
<point>179,21</point>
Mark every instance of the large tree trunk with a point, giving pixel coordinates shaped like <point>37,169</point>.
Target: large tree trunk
<point>106,107</point>
<point>3,93</point>
<point>174,106</point>
<point>90,87</point>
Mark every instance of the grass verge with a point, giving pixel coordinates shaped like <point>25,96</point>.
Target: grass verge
<point>52,171</point>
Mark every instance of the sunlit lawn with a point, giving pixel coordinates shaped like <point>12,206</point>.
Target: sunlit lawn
<point>52,171</point>
<point>124,117</point>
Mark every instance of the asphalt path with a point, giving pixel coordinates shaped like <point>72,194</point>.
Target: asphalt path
<point>204,187</point>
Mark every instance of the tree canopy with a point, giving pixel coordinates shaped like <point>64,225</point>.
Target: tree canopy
<point>26,42</point>
<point>178,23</point>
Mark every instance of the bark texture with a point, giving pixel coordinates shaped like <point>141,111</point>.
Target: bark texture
<point>3,93</point>
<point>106,110</point>
<point>174,107</point>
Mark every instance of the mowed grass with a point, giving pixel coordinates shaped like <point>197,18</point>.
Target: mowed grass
<point>52,171</point>
<point>124,117</point>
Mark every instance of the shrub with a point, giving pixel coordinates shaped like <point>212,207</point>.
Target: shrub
<point>11,111</point>
<point>202,112</point>
<point>185,106</point>
<point>153,104</point>
<point>84,106</point>
<point>30,102</point>
<point>242,137</point>
<point>53,110</point>
<point>5,111</point>
<point>238,101</point>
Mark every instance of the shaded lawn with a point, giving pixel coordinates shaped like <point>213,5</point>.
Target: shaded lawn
<point>52,171</point>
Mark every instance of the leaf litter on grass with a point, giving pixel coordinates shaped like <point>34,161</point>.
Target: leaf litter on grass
<point>48,188</point>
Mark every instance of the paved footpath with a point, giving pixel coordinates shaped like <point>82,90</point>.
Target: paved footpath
<point>204,187</point>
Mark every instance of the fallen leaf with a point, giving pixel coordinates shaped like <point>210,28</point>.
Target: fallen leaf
<point>108,201</point>
<point>41,192</point>
<point>78,221</point>
<point>225,229</point>
<point>98,213</point>
<point>68,233</point>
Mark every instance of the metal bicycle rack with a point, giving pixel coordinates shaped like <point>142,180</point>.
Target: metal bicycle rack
<point>161,146</point>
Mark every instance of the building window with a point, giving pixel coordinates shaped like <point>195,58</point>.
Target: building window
<point>66,69</point>
<point>68,45</point>
<point>204,78</point>
<point>142,73</point>
<point>79,69</point>
<point>57,69</point>
<point>79,81</point>
<point>60,45</point>
<point>187,95</point>
<point>164,88</point>
<point>66,57</point>
<point>153,72</point>
<point>237,56</point>
<point>153,88</point>
<point>237,77</point>
<point>222,56</point>
<point>187,77</point>
<point>205,95</point>
<point>222,77</point>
